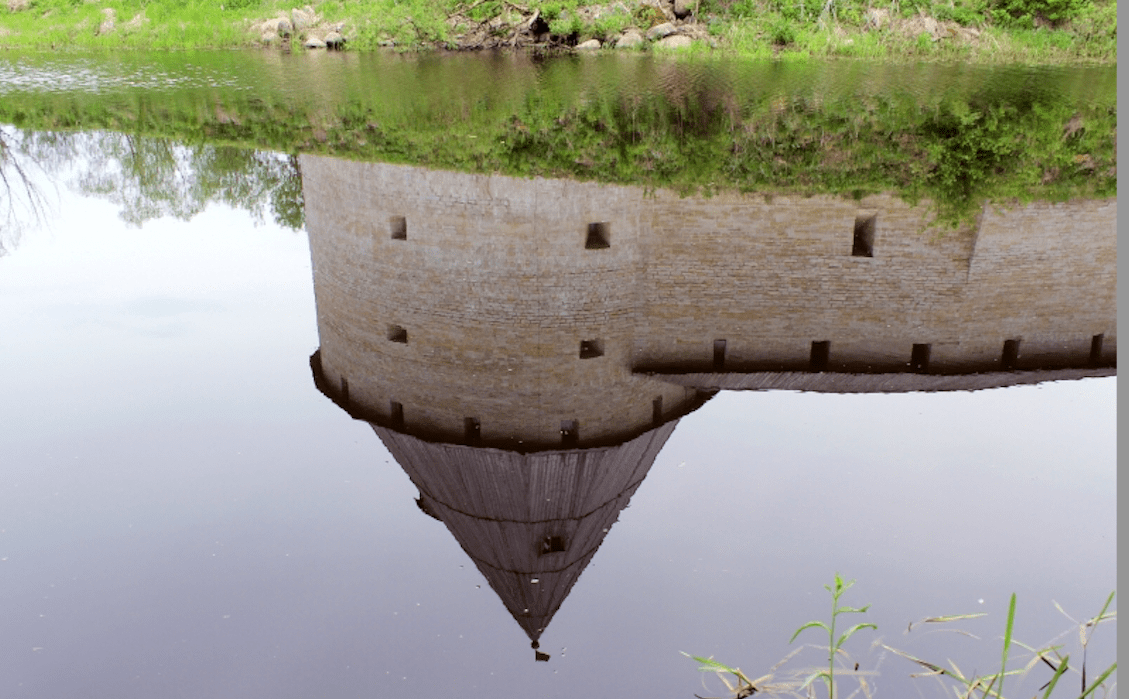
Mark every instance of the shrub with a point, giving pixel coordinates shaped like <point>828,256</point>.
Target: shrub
<point>963,13</point>
<point>782,33</point>
<point>551,11</point>
<point>567,24</point>
<point>1024,13</point>
<point>610,24</point>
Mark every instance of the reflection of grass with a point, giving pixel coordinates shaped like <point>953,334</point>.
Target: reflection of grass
<point>799,683</point>
<point>693,131</point>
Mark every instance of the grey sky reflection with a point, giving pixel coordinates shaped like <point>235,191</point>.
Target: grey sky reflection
<point>192,518</point>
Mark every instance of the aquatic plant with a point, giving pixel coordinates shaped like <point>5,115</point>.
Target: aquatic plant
<point>993,685</point>
<point>969,685</point>
<point>745,687</point>
<point>834,645</point>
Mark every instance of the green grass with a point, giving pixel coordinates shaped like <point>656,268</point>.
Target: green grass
<point>61,24</point>
<point>798,683</point>
<point>834,644</point>
<point>1085,33</point>
<point>985,686</point>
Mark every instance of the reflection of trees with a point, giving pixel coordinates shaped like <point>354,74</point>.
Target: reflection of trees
<point>154,177</point>
<point>22,201</point>
<point>151,177</point>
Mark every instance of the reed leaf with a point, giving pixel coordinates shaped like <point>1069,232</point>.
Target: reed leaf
<point>1062,667</point>
<point>1101,678</point>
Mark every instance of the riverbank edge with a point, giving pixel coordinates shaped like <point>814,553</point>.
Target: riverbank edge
<point>544,28</point>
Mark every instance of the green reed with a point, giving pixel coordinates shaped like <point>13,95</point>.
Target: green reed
<point>968,685</point>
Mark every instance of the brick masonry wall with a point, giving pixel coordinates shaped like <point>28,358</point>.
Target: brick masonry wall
<point>772,277</point>
<point>496,290</point>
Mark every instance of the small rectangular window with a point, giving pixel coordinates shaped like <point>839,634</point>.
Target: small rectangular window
<point>1096,349</point>
<point>718,355</point>
<point>863,245</point>
<point>344,390</point>
<point>398,225</point>
<point>397,414</point>
<point>591,348</point>
<point>1010,355</point>
<point>820,355</point>
<point>599,236</point>
<point>657,411</point>
<point>570,433</point>
<point>472,430</point>
<point>552,544</point>
<point>397,334</point>
<point>919,358</point>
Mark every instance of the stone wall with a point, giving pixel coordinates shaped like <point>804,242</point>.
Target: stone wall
<point>770,278</point>
<point>494,289</point>
<point>526,304</point>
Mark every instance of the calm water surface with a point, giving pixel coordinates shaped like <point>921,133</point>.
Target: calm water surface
<point>183,513</point>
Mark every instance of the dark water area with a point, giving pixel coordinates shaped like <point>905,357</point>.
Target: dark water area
<point>290,422</point>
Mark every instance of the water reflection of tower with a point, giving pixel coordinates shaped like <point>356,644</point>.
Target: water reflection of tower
<point>523,347</point>
<point>486,335</point>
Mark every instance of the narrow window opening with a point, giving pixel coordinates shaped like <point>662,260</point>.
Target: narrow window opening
<point>398,225</point>
<point>863,245</point>
<point>591,348</point>
<point>1010,355</point>
<point>718,355</point>
<point>472,430</point>
<point>657,411</point>
<point>820,355</point>
<point>599,236</point>
<point>919,358</point>
<point>570,433</point>
<point>397,414</point>
<point>1096,349</point>
<point>344,390</point>
<point>397,334</point>
<point>552,544</point>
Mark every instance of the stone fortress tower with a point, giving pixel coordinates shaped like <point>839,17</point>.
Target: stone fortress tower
<point>524,348</point>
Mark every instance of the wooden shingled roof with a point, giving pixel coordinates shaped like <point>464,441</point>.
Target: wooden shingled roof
<point>530,522</point>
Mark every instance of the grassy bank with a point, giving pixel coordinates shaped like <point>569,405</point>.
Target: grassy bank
<point>979,31</point>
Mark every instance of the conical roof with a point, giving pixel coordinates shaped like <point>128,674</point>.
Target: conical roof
<point>530,522</point>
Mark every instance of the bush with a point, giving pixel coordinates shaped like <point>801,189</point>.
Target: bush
<point>610,24</point>
<point>782,33</point>
<point>963,13</point>
<point>647,16</point>
<point>550,11</point>
<point>799,10</point>
<point>1024,13</point>
<point>568,24</point>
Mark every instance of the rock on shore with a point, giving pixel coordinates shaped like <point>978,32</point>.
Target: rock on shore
<point>673,25</point>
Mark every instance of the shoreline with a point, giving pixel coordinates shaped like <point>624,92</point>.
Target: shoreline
<point>546,28</point>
